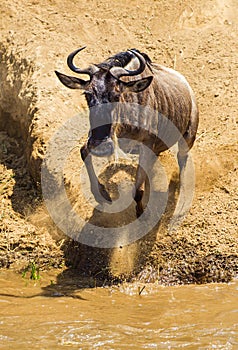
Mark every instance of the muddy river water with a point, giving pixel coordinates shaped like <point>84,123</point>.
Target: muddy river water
<point>48,314</point>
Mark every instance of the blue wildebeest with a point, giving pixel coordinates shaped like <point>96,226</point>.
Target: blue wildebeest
<point>165,95</point>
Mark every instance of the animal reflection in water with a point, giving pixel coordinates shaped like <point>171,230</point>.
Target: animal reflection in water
<point>129,97</point>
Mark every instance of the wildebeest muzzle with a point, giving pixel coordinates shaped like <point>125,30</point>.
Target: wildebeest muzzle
<point>100,143</point>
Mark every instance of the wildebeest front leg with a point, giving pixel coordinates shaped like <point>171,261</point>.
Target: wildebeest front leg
<point>139,189</point>
<point>98,190</point>
<point>146,162</point>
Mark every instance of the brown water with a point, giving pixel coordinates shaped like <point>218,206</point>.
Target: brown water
<point>48,315</point>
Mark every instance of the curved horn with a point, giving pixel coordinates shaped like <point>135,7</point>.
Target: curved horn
<point>73,67</point>
<point>119,72</point>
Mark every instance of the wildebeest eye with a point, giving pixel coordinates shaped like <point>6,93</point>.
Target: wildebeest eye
<point>89,96</point>
<point>113,96</point>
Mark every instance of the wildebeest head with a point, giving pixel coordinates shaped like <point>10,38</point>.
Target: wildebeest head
<point>102,90</point>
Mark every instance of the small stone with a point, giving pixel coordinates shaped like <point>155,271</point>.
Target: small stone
<point>226,82</point>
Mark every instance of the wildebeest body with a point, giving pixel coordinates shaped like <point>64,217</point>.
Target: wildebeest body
<point>168,96</point>
<point>152,104</point>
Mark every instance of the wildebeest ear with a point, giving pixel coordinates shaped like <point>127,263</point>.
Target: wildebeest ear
<point>72,82</point>
<point>138,85</point>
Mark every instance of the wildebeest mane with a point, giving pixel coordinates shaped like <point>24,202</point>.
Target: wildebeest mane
<point>121,59</point>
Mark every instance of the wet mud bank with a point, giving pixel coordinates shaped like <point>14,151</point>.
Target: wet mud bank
<point>21,241</point>
<point>18,94</point>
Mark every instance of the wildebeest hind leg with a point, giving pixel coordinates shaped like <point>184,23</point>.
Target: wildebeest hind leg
<point>187,180</point>
<point>187,141</point>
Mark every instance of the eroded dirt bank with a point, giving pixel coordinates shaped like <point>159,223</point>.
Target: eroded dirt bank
<point>199,39</point>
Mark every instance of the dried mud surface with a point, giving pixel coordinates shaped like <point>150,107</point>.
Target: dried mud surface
<point>197,38</point>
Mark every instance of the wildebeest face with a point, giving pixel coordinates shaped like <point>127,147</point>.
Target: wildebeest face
<point>101,95</point>
<point>102,91</point>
